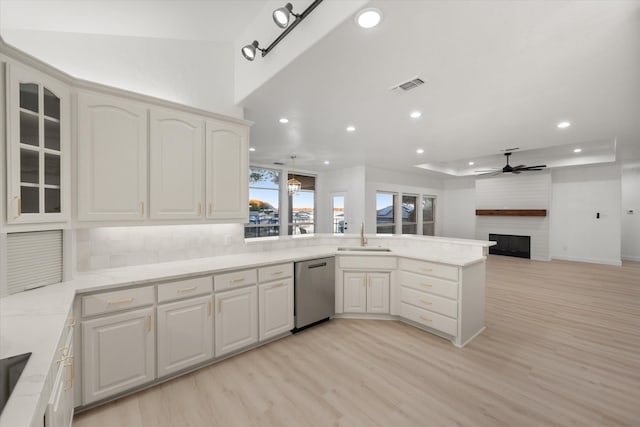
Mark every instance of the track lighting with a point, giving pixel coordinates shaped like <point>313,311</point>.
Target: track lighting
<point>249,51</point>
<point>282,15</point>
<point>282,18</point>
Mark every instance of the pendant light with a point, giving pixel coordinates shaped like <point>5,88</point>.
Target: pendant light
<point>293,185</point>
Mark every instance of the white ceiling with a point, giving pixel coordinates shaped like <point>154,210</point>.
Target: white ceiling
<point>498,75</point>
<point>211,20</point>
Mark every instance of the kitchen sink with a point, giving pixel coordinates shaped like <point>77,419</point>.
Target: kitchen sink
<point>364,249</point>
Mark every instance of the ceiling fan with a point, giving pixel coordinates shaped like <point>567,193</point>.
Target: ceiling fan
<point>511,169</point>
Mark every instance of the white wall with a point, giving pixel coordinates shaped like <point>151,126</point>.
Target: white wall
<point>578,194</point>
<point>631,221</point>
<point>349,181</point>
<point>401,182</point>
<point>195,73</point>
<point>459,219</point>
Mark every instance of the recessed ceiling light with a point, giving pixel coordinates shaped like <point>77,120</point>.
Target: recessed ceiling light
<point>419,151</point>
<point>563,125</point>
<point>577,150</point>
<point>368,18</point>
<point>351,128</point>
<point>471,163</point>
<point>252,149</point>
<point>415,114</point>
<point>284,120</point>
<point>326,162</point>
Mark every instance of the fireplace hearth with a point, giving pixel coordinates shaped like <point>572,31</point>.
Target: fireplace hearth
<point>511,245</point>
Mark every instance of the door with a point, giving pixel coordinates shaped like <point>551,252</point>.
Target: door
<point>355,292</point>
<point>185,334</point>
<point>378,293</point>
<point>118,353</point>
<point>39,159</point>
<point>236,322</point>
<point>276,308</point>
<point>112,159</point>
<point>176,164</point>
<point>227,168</point>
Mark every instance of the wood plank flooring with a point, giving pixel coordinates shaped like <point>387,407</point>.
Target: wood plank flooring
<point>562,347</point>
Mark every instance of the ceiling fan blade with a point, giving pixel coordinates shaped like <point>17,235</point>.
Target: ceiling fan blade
<point>519,167</point>
<point>516,171</point>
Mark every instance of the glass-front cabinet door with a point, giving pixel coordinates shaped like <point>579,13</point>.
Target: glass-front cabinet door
<point>38,141</point>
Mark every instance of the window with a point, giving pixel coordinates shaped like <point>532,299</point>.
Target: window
<point>339,224</point>
<point>409,214</point>
<point>385,212</point>
<point>264,203</point>
<point>302,206</point>
<point>428,215</point>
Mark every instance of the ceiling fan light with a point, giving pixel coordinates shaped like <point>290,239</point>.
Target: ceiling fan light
<point>249,51</point>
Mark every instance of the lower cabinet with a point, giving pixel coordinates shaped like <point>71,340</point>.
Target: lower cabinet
<point>118,353</point>
<point>59,412</point>
<point>275,308</point>
<point>185,334</point>
<point>236,321</point>
<point>366,292</point>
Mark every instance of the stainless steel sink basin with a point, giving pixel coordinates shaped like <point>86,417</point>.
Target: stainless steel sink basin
<point>364,249</point>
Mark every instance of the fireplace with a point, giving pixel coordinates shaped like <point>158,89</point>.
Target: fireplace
<point>510,245</point>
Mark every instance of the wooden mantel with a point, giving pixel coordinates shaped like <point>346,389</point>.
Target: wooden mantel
<point>512,212</point>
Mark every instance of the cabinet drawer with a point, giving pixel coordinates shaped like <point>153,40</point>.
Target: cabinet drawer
<point>448,272</point>
<point>116,301</point>
<point>429,302</point>
<point>368,262</point>
<point>185,288</point>
<point>235,279</point>
<point>428,318</point>
<point>275,272</point>
<point>429,284</point>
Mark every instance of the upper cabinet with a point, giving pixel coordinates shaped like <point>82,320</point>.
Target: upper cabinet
<point>38,166</point>
<point>176,153</point>
<point>112,158</point>
<point>227,166</point>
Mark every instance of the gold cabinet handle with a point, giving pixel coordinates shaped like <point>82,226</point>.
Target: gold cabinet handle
<point>19,199</point>
<point>72,374</point>
<point>209,308</point>
<point>425,318</point>
<point>210,208</point>
<point>279,285</point>
<point>120,301</point>
<point>219,306</point>
<point>199,208</point>
<point>238,280</point>
<point>186,289</point>
<point>427,269</point>
<point>72,323</point>
<point>277,273</point>
<point>148,323</point>
<point>141,208</point>
<point>426,285</point>
<point>425,302</point>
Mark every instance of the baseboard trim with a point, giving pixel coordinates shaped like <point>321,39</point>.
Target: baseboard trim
<point>589,260</point>
<point>631,258</point>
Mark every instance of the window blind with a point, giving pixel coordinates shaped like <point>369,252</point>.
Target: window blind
<point>33,259</point>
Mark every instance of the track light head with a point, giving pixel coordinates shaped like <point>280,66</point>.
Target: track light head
<point>282,15</point>
<point>249,51</point>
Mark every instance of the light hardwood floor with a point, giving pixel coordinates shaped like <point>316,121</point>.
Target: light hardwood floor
<point>562,347</point>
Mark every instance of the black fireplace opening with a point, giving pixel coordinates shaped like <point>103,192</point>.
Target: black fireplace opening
<point>510,245</point>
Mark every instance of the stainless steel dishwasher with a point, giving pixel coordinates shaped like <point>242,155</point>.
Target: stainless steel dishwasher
<point>314,291</point>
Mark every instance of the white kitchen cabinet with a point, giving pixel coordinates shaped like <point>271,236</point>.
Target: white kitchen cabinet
<point>236,321</point>
<point>227,170</point>
<point>112,158</point>
<point>366,292</point>
<point>176,151</point>
<point>118,353</point>
<point>275,308</point>
<point>185,334</point>
<point>59,412</point>
<point>38,149</point>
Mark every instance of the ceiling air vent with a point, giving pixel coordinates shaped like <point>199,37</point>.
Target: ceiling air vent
<point>409,84</point>
<point>278,163</point>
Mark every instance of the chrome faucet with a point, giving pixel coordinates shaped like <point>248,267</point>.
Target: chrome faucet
<point>363,241</point>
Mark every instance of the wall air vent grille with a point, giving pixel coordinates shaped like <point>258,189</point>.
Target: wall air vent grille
<point>409,84</point>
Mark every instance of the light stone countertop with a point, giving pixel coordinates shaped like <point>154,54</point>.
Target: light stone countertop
<point>33,321</point>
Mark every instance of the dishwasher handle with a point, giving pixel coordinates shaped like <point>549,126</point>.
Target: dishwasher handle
<point>322,264</point>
